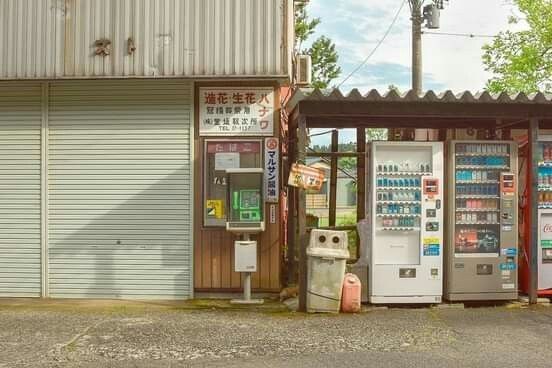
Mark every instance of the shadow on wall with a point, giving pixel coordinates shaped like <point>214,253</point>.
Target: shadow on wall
<point>122,242</point>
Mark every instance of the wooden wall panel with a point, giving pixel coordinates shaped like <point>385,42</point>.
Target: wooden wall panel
<point>214,247</point>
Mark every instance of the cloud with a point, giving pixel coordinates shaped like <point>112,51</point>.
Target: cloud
<point>449,62</point>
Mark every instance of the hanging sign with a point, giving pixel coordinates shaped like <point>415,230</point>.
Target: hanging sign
<point>305,177</point>
<point>236,111</point>
<point>272,172</point>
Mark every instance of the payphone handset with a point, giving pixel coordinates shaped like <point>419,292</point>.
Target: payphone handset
<point>245,200</point>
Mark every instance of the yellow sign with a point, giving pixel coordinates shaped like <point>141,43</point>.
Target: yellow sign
<point>215,208</point>
<point>431,240</point>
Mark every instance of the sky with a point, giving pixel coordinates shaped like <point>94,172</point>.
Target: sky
<point>449,62</point>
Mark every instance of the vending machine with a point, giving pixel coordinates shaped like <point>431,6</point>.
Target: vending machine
<point>544,240</point>
<point>482,223</point>
<point>406,210</point>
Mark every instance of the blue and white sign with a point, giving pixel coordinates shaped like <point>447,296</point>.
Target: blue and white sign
<point>510,266</point>
<point>272,169</point>
<point>510,252</point>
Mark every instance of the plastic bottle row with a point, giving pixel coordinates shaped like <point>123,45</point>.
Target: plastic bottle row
<point>467,217</point>
<point>482,161</point>
<point>545,178</point>
<point>399,222</point>
<point>399,196</point>
<point>398,209</point>
<point>476,175</point>
<point>484,149</point>
<point>477,189</point>
<point>399,183</point>
<point>475,204</point>
<point>405,166</point>
<point>545,152</point>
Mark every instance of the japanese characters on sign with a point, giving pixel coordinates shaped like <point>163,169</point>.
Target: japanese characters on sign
<point>236,111</point>
<point>305,177</point>
<point>271,160</point>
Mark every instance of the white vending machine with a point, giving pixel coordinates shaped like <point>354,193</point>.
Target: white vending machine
<point>406,210</point>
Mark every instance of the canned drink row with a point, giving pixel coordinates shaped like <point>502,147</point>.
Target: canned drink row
<point>399,222</point>
<point>489,217</point>
<point>399,196</point>
<point>399,209</point>
<point>482,148</point>
<point>482,161</point>
<point>399,183</point>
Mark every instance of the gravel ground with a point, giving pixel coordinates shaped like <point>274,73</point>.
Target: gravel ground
<point>134,335</point>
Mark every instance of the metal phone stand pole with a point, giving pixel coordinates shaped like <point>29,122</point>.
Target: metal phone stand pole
<point>246,284</point>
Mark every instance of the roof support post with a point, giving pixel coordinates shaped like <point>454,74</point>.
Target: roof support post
<point>533,166</point>
<point>302,216</point>
<point>333,177</point>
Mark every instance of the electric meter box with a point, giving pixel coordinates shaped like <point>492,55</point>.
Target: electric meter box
<point>245,256</point>
<point>246,202</point>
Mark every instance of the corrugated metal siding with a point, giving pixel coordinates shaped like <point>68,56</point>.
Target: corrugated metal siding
<point>20,127</point>
<point>55,38</point>
<point>31,38</point>
<point>120,189</point>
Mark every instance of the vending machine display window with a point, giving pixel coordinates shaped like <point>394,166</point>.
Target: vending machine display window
<point>477,191</point>
<point>221,155</point>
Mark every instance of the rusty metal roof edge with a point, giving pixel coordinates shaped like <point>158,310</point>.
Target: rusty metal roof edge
<point>313,94</point>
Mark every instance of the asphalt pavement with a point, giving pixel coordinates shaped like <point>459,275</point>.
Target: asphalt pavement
<point>213,334</point>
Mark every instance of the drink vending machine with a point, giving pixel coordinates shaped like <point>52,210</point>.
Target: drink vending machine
<point>406,231</point>
<point>544,256</point>
<point>482,224</point>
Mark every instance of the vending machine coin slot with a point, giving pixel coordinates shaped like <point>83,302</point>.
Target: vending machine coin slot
<point>407,273</point>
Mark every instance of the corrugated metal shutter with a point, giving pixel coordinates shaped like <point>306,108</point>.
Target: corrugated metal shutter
<point>120,176</point>
<point>20,126</point>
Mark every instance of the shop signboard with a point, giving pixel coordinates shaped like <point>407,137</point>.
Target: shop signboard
<point>271,170</point>
<point>236,111</point>
<point>306,177</point>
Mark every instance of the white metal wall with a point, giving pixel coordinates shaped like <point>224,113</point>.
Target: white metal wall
<point>120,196</point>
<point>55,38</point>
<point>20,152</point>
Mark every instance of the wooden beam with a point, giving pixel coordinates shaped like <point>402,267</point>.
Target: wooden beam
<point>361,173</point>
<point>302,217</point>
<point>291,213</point>
<point>329,108</point>
<point>335,154</point>
<point>395,122</point>
<point>533,205</point>
<point>361,182</point>
<point>333,178</point>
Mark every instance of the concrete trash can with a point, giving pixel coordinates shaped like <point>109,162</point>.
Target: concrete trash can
<point>327,257</point>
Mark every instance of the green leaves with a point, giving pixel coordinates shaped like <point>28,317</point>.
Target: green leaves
<point>324,60</point>
<point>322,51</point>
<point>522,61</point>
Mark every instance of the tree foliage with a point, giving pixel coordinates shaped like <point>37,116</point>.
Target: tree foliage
<point>322,51</point>
<point>522,61</point>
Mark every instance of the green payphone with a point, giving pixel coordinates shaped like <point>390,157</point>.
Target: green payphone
<point>246,203</point>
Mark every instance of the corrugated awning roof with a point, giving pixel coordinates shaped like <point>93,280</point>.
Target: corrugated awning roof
<point>310,94</point>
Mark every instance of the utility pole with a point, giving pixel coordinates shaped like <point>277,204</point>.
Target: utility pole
<point>420,13</point>
<point>417,20</point>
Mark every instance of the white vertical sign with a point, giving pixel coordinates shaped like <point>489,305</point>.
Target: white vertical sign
<point>271,169</point>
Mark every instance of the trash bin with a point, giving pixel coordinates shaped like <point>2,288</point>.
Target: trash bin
<point>327,256</point>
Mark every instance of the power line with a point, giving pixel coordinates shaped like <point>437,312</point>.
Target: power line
<point>375,48</point>
<point>470,35</point>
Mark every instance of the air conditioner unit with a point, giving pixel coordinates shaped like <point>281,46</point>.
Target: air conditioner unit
<point>303,66</point>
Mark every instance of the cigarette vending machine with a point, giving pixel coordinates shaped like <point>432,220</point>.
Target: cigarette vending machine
<point>482,224</point>
<point>544,240</point>
<point>406,212</point>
